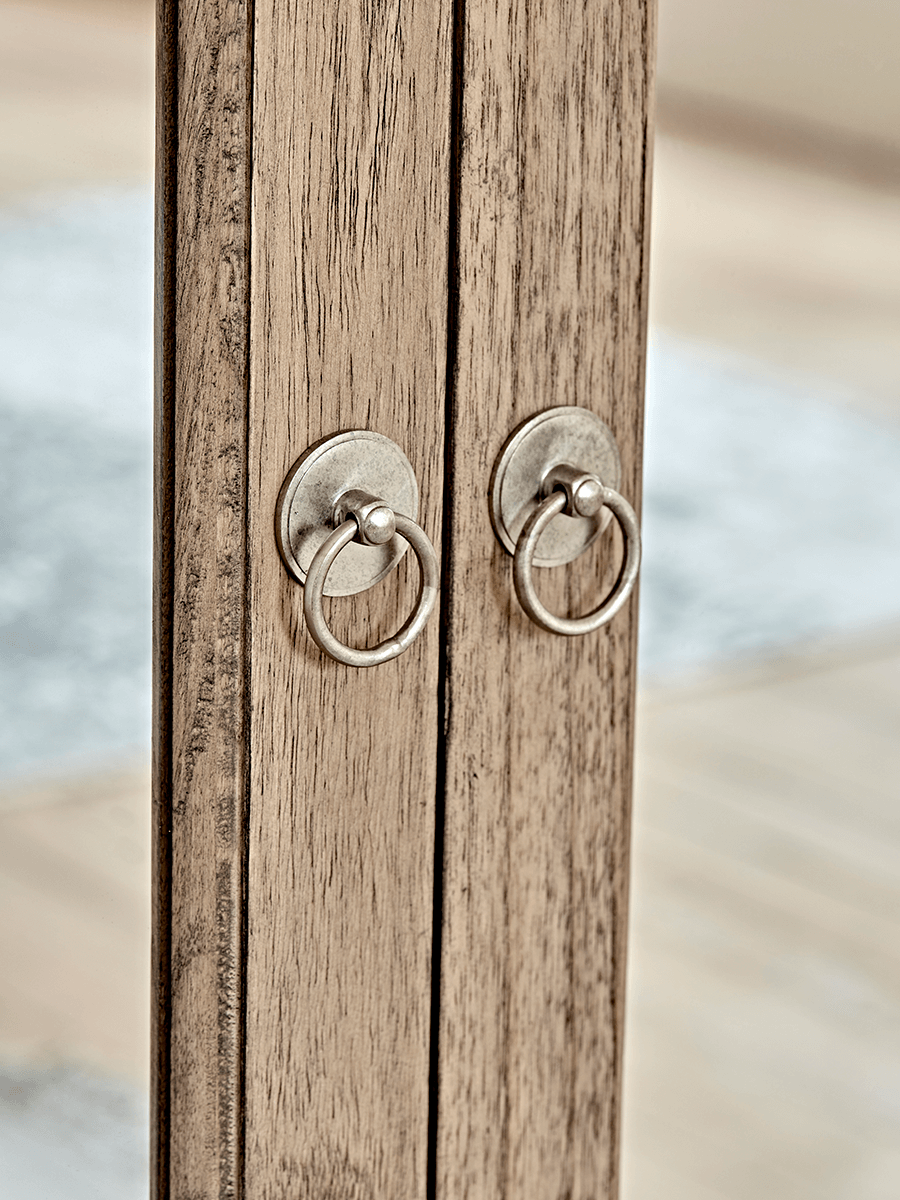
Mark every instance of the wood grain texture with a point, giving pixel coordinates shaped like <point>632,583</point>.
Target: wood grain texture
<point>201,546</point>
<point>332,771</point>
<point>553,179</point>
<point>349,316</point>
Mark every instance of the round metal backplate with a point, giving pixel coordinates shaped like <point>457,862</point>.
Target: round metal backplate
<point>560,435</point>
<point>304,515</point>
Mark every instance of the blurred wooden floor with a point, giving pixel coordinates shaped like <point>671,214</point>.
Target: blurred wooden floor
<point>76,94</point>
<point>75,921</point>
<point>763,1026</point>
<point>789,267</point>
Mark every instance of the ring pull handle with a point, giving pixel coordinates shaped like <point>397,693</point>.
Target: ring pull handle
<point>534,482</point>
<point>570,492</point>
<point>366,519</point>
<point>345,516</point>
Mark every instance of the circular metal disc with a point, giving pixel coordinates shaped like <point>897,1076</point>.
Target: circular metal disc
<point>304,515</point>
<point>560,435</point>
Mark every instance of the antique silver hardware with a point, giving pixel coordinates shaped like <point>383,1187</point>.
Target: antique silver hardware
<point>535,480</point>
<point>354,492</point>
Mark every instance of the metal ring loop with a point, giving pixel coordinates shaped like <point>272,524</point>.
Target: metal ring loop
<point>523,561</point>
<point>402,640</point>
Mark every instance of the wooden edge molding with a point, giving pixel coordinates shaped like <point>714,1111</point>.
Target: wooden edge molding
<point>204,56</point>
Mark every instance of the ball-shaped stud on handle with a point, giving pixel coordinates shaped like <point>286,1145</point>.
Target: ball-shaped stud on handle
<point>376,521</point>
<point>378,525</point>
<point>584,491</point>
<point>587,499</point>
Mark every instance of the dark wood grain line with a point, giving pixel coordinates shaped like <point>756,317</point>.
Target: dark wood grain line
<point>444,698</point>
<point>163,590</point>
<point>247,660</point>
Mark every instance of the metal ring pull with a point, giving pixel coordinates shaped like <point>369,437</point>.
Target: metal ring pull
<point>575,493</point>
<point>368,520</point>
<point>346,515</point>
<point>534,482</point>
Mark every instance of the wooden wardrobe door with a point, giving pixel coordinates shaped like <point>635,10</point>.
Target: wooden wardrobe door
<point>304,188</point>
<point>552,184</point>
<point>357,203</point>
<point>348,331</point>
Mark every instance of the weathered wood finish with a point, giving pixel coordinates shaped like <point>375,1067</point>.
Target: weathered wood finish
<point>553,186</point>
<point>296,798</point>
<point>201,600</point>
<point>351,153</point>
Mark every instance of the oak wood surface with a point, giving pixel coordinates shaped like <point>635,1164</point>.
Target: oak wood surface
<point>349,315</point>
<point>201,601</point>
<point>553,185</point>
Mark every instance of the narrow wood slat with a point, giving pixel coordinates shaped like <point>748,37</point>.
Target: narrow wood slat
<point>201,547</point>
<point>163,597</point>
<point>553,178</point>
<point>349,311</point>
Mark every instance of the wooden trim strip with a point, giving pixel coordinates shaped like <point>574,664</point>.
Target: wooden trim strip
<point>201,677</point>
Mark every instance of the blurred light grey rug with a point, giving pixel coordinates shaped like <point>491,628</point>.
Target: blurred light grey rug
<point>75,442</point>
<point>771,513</point>
<point>67,1136</point>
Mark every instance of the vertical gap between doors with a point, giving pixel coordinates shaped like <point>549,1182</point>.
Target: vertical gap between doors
<point>165,221</point>
<point>445,697</point>
<point>246,657</point>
